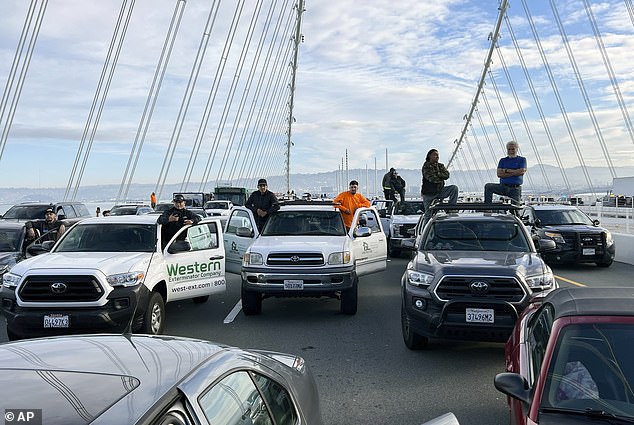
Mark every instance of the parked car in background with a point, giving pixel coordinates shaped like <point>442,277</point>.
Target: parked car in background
<point>220,207</point>
<point>136,379</point>
<point>131,209</point>
<point>12,244</point>
<point>569,359</point>
<point>474,271</point>
<point>199,211</point>
<point>68,212</point>
<point>397,219</point>
<point>578,238</point>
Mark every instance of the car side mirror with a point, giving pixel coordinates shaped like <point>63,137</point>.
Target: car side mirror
<point>382,213</point>
<point>596,222</point>
<point>362,232</point>
<point>544,245</point>
<point>244,232</point>
<point>179,246</point>
<point>538,222</point>
<point>513,385</point>
<point>526,220</point>
<point>61,217</point>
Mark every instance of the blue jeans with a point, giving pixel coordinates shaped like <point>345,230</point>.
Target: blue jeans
<point>513,192</point>
<point>450,192</point>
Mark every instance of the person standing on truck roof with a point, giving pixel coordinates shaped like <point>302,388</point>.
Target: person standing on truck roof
<point>262,202</point>
<point>388,188</point>
<point>175,218</point>
<point>51,229</point>
<point>153,200</point>
<point>348,202</point>
<point>433,188</point>
<point>511,170</point>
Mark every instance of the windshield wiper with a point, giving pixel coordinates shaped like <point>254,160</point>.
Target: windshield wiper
<point>591,413</point>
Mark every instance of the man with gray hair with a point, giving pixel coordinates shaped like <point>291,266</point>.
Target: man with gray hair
<point>511,171</point>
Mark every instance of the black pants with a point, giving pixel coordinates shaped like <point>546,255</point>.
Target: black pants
<point>389,194</point>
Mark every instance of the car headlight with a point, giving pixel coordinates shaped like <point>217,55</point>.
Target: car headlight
<point>420,279</point>
<point>608,239</point>
<point>545,280</point>
<point>10,280</point>
<point>555,236</point>
<point>125,279</point>
<point>339,258</point>
<point>252,259</point>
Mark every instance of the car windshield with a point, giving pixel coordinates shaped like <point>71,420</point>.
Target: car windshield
<point>559,217</point>
<point>10,239</point>
<point>124,210</point>
<point>475,236</point>
<point>298,223</point>
<point>99,237</point>
<point>409,208</point>
<point>26,212</point>
<point>591,368</point>
<point>217,206</point>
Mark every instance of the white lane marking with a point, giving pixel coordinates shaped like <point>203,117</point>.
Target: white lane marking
<point>234,312</point>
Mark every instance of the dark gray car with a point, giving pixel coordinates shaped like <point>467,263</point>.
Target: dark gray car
<point>133,379</point>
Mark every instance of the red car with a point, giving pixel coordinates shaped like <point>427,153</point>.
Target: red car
<point>570,359</point>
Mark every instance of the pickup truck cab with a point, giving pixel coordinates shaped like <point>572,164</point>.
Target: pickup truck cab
<point>304,250</point>
<point>109,274</point>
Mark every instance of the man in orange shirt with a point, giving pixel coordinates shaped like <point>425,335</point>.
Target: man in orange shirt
<point>348,202</point>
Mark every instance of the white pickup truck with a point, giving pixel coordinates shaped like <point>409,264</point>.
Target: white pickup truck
<point>304,250</point>
<point>397,219</point>
<point>109,274</point>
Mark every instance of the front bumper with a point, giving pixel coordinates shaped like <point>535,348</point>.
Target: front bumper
<point>448,319</point>
<point>115,316</point>
<point>402,243</point>
<point>577,255</point>
<point>315,282</point>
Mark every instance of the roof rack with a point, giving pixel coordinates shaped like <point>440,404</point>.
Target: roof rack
<point>477,206</point>
<point>304,202</point>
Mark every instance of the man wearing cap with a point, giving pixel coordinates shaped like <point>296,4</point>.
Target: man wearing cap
<point>50,229</point>
<point>262,202</point>
<point>175,218</point>
<point>348,202</point>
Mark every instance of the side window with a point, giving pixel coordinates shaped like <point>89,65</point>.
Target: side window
<point>278,399</point>
<point>238,219</point>
<point>62,211</point>
<point>371,220</point>
<point>538,335</point>
<point>235,400</point>
<point>203,236</point>
<point>81,210</point>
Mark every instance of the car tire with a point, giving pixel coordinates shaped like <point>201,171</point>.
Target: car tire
<point>251,302</point>
<point>604,263</point>
<point>412,340</point>
<point>201,300</point>
<point>350,298</point>
<point>154,317</point>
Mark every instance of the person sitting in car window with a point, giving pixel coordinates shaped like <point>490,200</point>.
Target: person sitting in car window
<point>175,218</point>
<point>49,230</point>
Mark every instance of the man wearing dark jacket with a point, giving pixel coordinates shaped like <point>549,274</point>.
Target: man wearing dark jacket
<point>262,202</point>
<point>399,186</point>
<point>388,188</point>
<point>175,218</point>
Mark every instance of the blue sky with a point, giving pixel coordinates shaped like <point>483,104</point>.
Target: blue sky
<point>373,75</point>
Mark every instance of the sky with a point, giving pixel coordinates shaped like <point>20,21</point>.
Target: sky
<point>384,81</point>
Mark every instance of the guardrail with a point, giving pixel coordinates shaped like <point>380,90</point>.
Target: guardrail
<point>616,219</point>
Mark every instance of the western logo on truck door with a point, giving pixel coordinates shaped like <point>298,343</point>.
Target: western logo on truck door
<point>177,272</point>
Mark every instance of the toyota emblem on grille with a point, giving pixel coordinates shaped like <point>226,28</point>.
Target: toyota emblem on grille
<point>295,258</point>
<point>58,287</point>
<point>479,287</point>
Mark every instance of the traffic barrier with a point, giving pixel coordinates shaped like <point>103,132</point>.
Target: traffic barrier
<point>624,248</point>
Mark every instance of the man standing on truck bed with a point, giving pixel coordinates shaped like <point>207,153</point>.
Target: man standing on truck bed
<point>262,202</point>
<point>175,218</point>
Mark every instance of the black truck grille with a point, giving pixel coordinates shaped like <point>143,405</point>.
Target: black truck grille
<point>460,287</point>
<point>403,228</point>
<point>295,259</point>
<point>577,241</point>
<point>60,289</point>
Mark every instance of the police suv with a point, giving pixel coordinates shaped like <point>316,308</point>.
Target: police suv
<point>304,250</point>
<point>109,274</point>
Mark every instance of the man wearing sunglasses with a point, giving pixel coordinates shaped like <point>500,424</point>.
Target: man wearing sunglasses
<point>262,202</point>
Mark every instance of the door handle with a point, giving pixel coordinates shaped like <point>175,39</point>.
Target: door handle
<point>216,257</point>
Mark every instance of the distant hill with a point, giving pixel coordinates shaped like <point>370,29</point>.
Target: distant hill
<point>333,182</point>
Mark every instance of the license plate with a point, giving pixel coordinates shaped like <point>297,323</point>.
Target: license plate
<point>588,251</point>
<point>294,285</point>
<point>480,315</point>
<point>56,321</point>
